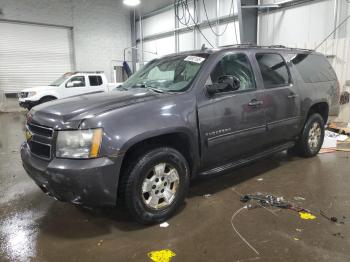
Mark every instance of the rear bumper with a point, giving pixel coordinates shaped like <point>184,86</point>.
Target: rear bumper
<point>91,182</point>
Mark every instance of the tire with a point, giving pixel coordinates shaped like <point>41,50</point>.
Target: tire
<point>147,184</point>
<point>311,139</point>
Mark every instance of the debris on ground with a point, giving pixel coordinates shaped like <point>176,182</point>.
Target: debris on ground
<point>165,224</point>
<point>261,200</point>
<point>335,140</point>
<point>298,230</point>
<point>307,216</point>
<point>161,255</point>
<point>298,198</point>
<point>207,196</point>
<point>260,179</point>
<point>100,242</point>
<point>339,127</point>
<point>296,239</point>
<point>338,235</point>
<point>332,218</point>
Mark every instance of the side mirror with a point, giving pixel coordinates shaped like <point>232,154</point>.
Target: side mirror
<point>232,83</point>
<point>225,83</point>
<point>69,84</point>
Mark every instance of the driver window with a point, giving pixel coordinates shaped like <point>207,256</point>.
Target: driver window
<point>236,65</point>
<point>76,81</point>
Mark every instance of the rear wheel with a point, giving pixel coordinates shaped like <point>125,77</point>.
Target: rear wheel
<point>312,137</point>
<point>155,185</point>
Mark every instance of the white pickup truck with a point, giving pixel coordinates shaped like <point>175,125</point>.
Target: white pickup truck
<point>69,84</point>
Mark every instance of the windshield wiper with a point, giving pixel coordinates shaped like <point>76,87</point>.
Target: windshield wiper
<point>156,89</point>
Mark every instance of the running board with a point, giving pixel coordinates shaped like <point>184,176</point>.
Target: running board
<point>248,160</point>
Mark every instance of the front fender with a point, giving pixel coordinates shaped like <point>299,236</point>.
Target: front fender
<point>124,127</point>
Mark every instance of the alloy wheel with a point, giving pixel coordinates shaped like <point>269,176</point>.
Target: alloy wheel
<point>160,186</point>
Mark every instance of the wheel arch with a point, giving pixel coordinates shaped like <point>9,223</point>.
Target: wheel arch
<point>48,96</point>
<point>321,108</point>
<point>178,139</point>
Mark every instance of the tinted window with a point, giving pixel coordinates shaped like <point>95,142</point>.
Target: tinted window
<point>95,80</point>
<point>273,69</point>
<point>76,81</point>
<point>313,68</point>
<point>236,65</point>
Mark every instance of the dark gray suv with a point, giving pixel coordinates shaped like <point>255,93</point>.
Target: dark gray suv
<point>183,115</point>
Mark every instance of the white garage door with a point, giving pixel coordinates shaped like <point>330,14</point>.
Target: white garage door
<point>33,55</point>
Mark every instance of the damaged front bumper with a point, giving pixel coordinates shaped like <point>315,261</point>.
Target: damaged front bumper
<point>90,182</point>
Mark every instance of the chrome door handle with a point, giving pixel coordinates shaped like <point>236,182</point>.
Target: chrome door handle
<point>255,103</point>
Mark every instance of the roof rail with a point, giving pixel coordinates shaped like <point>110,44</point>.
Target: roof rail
<point>88,72</point>
<point>267,46</point>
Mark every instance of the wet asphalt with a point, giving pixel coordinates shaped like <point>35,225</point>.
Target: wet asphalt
<point>35,227</point>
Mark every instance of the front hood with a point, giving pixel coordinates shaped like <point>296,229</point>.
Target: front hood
<point>38,88</point>
<point>69,112</point>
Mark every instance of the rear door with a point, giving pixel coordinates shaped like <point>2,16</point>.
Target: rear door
<point>281,100</point>
<point>96,83</point>
<point>231,123</point>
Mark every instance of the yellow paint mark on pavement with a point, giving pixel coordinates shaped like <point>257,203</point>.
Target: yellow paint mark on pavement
<point>161,255</point>
<point>306,215</point>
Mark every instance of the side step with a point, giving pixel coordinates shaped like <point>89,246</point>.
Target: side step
<point>247,160</point>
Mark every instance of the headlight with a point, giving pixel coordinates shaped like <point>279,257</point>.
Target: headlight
<point>31,94</point>
<point>79,143</point>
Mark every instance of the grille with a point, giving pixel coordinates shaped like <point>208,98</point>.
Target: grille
<point>41,130</point>
<point>40,141</point>
<point>39,149</point>
<point>23,94</point>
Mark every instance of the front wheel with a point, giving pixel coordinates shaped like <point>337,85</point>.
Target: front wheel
<point>155,185</point>
<point>312,137</point>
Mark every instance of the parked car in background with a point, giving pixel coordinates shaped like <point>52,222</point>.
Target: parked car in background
<point>187,114</point>
<point>69,84</point>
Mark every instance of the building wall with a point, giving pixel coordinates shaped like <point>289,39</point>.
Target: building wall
<point>306,23</point>
<point>191,39</point>
<point>101,29</point>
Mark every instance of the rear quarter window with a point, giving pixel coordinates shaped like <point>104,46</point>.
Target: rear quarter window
<point>313,68</point>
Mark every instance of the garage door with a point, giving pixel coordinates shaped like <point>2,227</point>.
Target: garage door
<point>33,55</point>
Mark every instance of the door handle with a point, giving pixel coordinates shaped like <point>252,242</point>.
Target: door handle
<point>292,96</point>
<point>255,102</point>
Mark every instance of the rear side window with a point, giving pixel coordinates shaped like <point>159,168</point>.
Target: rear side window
<point>313,68</point>
<point>273,69</point>
<point>95,80</point>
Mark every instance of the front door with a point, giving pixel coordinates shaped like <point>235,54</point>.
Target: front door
<point>281,98</point>
<point>75,86</point>
<point>232,123</point>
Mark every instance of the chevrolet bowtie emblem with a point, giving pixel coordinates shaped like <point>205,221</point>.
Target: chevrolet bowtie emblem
<point>28,135</point>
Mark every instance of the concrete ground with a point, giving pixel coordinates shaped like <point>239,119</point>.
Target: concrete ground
<point>34,227</point>
<point>10,104</point>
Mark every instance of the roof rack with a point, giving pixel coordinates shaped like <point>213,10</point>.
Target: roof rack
<point>261,46</point>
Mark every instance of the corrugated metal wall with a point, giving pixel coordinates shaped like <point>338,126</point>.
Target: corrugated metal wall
<point>33,55</point>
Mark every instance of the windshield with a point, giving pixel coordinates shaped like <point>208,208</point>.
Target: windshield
<point>172,74</point>
<point>60,80</point>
